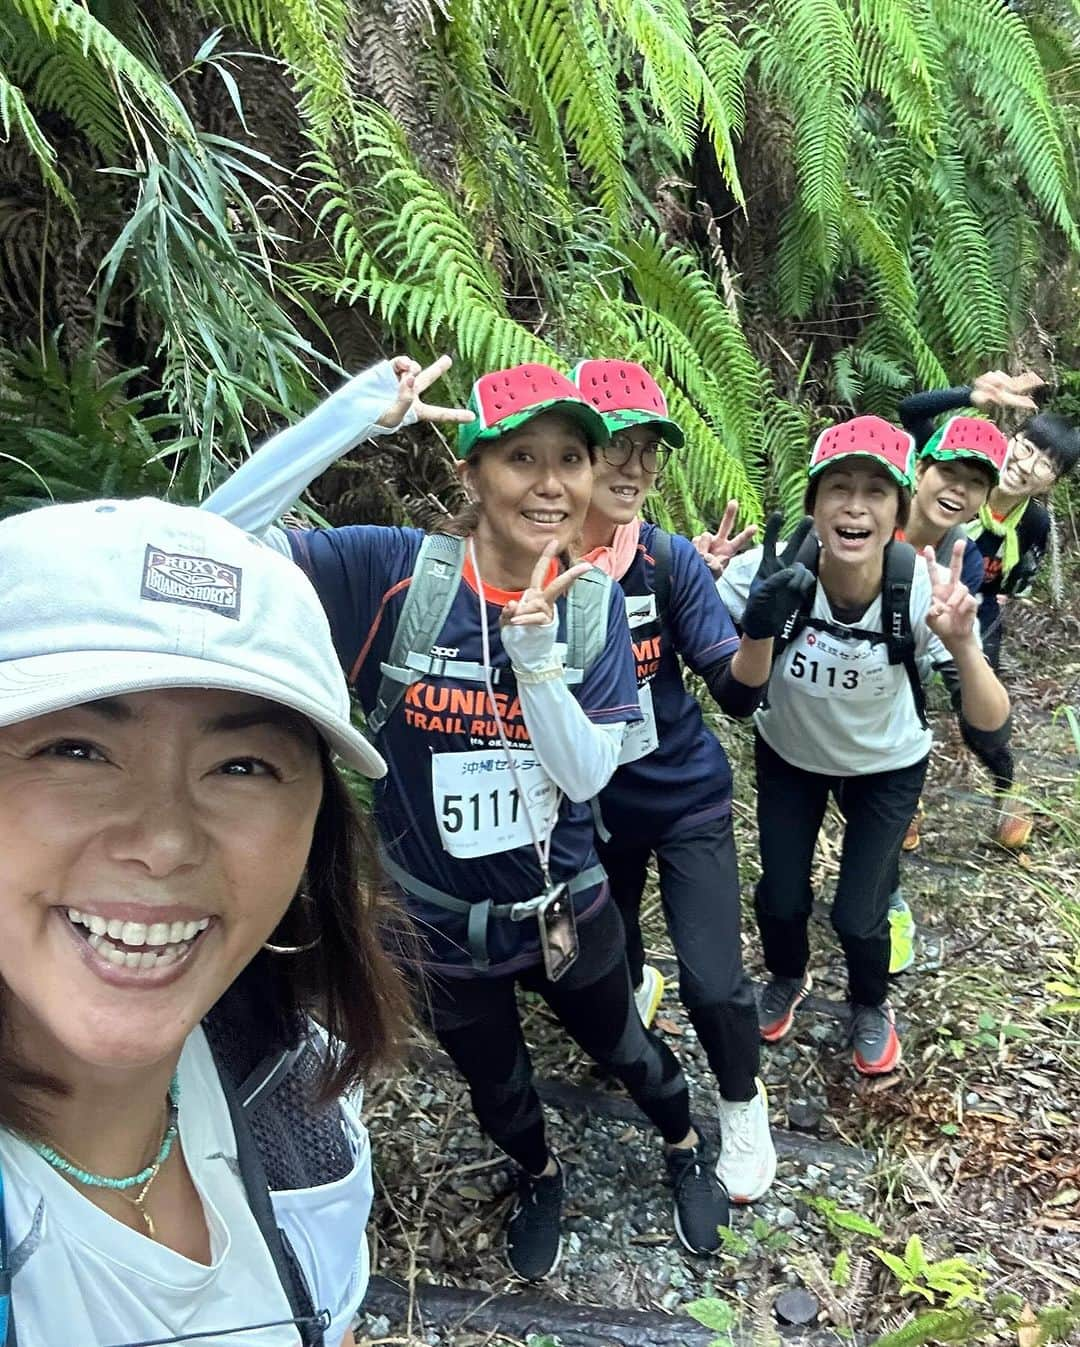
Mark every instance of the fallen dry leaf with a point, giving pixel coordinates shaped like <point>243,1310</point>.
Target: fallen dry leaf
<point>1028,1332</point>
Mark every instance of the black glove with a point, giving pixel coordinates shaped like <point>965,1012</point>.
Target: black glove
<point>781,583</point>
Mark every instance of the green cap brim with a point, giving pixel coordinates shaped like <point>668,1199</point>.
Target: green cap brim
<point>591,422</point>
<point>670,431</point>
<point>943,456</point>
<point>893,471</point>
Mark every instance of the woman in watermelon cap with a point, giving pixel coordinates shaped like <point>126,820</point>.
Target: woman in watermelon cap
<point>498,682</point>
<point>671,796</point>
<point>1011,532</point>
<point>843,715</point>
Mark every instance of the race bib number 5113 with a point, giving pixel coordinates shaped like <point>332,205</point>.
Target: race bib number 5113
<point>480,804</point>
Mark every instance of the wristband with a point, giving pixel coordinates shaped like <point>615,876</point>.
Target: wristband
<point>545,675</point>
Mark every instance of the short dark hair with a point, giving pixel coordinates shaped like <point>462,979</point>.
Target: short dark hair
<point>903,498</point>
<point>1057,437</point>
<point>347,981</point>
<point>983,468</point>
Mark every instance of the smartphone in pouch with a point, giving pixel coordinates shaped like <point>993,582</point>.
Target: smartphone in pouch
<point>558,931</point>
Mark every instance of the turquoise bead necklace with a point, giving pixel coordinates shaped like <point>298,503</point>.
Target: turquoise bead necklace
<point>142,1180</point>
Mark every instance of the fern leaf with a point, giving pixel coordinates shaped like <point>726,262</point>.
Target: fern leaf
<point>14,112</point>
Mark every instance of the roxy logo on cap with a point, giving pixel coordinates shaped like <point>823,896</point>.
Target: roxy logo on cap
<point>201,582</point>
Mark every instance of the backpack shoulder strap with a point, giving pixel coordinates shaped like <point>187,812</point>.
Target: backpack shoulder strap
<point>943,551</point>
<point>253,1176</point>
<point>586,622</point>
<point>897,575</point>
<point>435,580</point>
<point>662,548</point>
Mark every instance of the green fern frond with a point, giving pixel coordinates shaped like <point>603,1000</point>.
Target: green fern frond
<point>809,59</point>
<point>14,112</point>
<point>142,84</point>
<point>566,42</point>
<point>669,282</point>
<point>1000,62</point>
<point>901,57</point>
<point>677,81</point>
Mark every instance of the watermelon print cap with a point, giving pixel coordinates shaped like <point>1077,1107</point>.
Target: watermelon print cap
<point>969,437</point>
<point>867,437</point>
<point>626,394</point>
<point>507,398</point>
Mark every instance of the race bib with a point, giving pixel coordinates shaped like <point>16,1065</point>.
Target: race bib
<point>480,806</point>
<point>640,740</point>
<point>822,665</point>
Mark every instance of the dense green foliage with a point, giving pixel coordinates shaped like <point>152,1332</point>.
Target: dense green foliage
<point>786,208</point>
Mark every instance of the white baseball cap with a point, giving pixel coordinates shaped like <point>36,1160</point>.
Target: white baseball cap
<point>107,597</point>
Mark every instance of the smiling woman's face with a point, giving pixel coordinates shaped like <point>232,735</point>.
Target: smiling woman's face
<point>149,844</point>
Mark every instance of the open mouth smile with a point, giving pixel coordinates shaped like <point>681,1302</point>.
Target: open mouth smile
<point>949,506</point>
<point>135,944</point>
<point>851,535</point>
<point>545,518</point>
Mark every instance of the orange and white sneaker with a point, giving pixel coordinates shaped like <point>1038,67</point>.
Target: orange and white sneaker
<point>1014,824</point>
<point>780,998</point>
<point>874,1039</point>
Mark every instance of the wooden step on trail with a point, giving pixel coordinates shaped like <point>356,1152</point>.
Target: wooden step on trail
<point>519,1315</point>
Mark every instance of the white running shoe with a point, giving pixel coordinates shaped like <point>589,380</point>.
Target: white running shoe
<point>747,1163</point>
<point>647,996</point>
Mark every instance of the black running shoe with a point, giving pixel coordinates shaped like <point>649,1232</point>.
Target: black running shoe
<point>780,998</point>
<point>701,1204</point>
<point>533,1238</point>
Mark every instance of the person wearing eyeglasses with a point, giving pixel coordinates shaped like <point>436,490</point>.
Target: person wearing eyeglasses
<point>192,983</point>
<point>670,798</point>
<point>1012,533</point>
<point>501,696</point>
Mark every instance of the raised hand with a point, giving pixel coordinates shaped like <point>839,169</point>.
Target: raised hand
<point>717,549</point>
<point>951,616</point>
<point>536,607</point>
<point>781,583</point>
<point>998,389</point>
<point>413,383</point>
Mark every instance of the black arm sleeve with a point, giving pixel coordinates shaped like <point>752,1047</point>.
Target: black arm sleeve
<point>735,699</point>
<point>919,412</point>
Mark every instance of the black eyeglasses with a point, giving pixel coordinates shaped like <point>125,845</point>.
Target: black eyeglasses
<point>622,448</point>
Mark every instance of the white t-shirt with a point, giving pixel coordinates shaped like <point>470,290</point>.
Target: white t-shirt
<point>836,705</point>
<point>83,1278</point>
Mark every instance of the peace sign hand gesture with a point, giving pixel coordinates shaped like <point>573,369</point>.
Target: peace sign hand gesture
<point>413,383</point>
<point>717,549</point>
<point>778,589</point>
<point>536,607</point>
<point>951,616</point>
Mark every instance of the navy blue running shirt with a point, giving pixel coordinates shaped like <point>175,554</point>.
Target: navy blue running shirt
<point>686,779</point>
<point>449,811</point>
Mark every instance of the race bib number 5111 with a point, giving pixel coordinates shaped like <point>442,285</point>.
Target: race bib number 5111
<point>480,804</point>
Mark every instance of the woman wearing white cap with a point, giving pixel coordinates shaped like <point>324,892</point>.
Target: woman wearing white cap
<point>182,889</point>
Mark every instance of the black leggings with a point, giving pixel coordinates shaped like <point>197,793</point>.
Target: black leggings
<point>476,1021</point>
<point>791,806</point>
<point>699,888</point>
